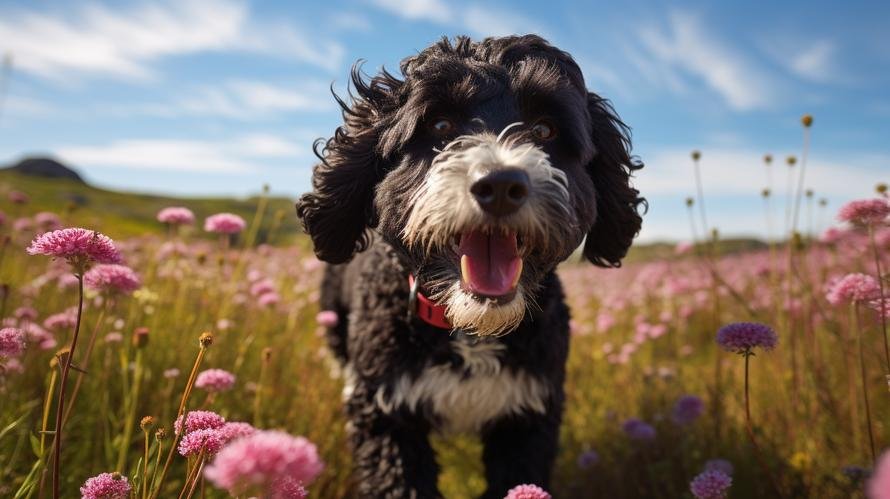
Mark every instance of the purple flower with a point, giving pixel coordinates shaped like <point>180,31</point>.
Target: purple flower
<point>742,337</point>
<point>710,484</point>
<point>106,486</point>
<point>687,409</point>
<point>638,430</point>
<point>588,459</point>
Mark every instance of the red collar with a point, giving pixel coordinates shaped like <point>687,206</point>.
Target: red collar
<point>427,310</point>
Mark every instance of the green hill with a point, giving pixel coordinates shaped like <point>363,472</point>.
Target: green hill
<point>126,214</point>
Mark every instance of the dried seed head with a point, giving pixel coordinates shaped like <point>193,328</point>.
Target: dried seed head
<point>791,160</point>
<point>809,193</point>
<point>696,155</point>
<point>881,188</point>
<point>768,158</point>
<point>807,120</point>
<point>160,434</point>
<point>140,337</point>
<point>765,193</point>
<point>267,354</point>
<point>690,201</point>
<point>823,202</point>
<point>206,339</point>
<point>146,423</point>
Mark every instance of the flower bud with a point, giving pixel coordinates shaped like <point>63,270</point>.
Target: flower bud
<point>206,339</point>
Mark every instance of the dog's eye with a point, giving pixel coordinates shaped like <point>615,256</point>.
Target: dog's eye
<point>442,126</point>
<point>544,130</point>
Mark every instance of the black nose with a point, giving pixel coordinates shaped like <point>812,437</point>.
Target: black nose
<point>501,192</point>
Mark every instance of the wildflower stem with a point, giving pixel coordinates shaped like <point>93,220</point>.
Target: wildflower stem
<point>83,365</point>
<point>750,429</point>
<point>145,464</point>
<point>882,311</point>
<point>182,404</point>
<point>871,437</point>
<point>60,408</point>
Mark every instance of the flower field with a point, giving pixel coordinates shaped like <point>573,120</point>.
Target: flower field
<point>751,374</point>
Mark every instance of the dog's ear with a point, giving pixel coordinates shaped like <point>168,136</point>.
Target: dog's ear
<point>617,219</point>
<point>340,209</point>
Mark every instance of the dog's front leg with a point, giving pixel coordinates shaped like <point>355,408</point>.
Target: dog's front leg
<point>392,453</point>
<point>519,450</point>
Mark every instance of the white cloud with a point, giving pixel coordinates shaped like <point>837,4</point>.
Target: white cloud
<point>350,21</point>
<point>688,47</point>
<point>246,99</point>
<point>430,10</point>
<point>98,40</point>
<point>809,59</point>
<point>235,155</point>
<point>477,19</point>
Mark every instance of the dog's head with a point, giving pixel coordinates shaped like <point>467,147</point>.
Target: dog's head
<point>486,166</point>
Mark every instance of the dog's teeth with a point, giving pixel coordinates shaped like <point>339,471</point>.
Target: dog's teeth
<point>465,268</point>
<point>518,275</point>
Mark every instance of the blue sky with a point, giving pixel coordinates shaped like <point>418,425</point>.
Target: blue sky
<point>222,96</point>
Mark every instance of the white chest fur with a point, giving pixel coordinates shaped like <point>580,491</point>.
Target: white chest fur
<point>467,398</point>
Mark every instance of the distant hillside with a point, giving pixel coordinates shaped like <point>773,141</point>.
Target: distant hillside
<point>45,167</point>
<point>124,214</point>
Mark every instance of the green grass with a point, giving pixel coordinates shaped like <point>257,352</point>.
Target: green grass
<point>807,400</point>
<point>126,214</point>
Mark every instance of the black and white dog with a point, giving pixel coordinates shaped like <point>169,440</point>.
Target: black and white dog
<point>445,202</point>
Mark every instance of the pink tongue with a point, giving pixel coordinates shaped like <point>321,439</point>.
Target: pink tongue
<point>490,263</point>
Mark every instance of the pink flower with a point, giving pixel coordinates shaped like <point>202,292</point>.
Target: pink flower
<point>106,486</point>
<point>62,320</point>
<point>742,337</point>
<point>114,337</point>
<point>327,318</point>
<point>879,484</point>
<point>832,235</point>
<point>262,287</point>
<point>288,488</point>
<point>232,431</point>
<point>78,246</point>
<point>527,492</point>
<point>208,440</point>
<point>254,465</point>
<point>199,420</point>
<point>25,314</point>
<point>18,197</point>
<point>268,299</point>
<point>682,248</point>
<point>710,484</point>
<point>12,342</point>
<point>171,373</point>
<point>112,278</point>
<point>215,380</point>
<point>865,211</point>
<point>47,220</point>
<point>224,223</point>
<point>853,288</point>
<point>176,215</point>
<point>687,409</point>
<point>638,430</point>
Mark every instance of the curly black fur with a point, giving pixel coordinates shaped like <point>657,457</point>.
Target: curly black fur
<point>363,191</point>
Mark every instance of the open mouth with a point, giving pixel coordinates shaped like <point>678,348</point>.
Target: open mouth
<point>490,263</point>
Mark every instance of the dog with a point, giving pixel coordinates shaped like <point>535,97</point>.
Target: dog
<point>443,205</point>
